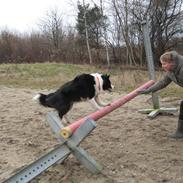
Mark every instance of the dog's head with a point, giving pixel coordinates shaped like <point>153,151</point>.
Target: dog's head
<point>106,82</point>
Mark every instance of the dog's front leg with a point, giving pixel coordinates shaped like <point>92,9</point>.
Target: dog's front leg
<point>94,103</point>
<point>100,102</point>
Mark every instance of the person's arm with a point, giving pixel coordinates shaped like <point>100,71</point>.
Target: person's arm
<point>157,86</point>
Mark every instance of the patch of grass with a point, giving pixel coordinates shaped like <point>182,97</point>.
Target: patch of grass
<point>53,75</point>
<point>172,90</point>
<point>47,75</point>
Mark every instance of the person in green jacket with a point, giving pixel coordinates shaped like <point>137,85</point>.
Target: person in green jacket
<point>172,63</point>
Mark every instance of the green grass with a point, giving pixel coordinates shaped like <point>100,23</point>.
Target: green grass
<point>53,75</point>
<point>47,75</point>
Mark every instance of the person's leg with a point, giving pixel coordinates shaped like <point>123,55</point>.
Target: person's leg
<point>179,131</point>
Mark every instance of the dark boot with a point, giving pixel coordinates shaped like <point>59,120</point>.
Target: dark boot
<point>179,132</point>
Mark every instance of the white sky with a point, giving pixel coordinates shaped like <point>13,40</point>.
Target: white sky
<point>24,15</point>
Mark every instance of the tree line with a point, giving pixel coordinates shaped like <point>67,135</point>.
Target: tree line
<point>106,32</point>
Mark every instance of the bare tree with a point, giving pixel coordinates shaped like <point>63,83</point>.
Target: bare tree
<point>86,31</point>
<point>104,32</point>
<point>105,36</point>
<point>123,18</point>
<point>165,19</point>
<point>51,26</point>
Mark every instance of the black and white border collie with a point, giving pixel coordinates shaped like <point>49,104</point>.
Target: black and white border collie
<point>83,87</point>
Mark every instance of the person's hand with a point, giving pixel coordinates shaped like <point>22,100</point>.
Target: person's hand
<point>143,91</point>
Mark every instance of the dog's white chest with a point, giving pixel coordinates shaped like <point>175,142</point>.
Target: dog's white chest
<point>98,83</point>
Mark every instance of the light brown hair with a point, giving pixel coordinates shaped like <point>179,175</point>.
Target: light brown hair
<point>169,56</point>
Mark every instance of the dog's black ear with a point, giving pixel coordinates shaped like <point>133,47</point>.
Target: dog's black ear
<point>108,75</point>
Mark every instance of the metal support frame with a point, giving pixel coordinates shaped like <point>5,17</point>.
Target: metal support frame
<point>60,153</point>
<point>152,113</point>
<point>80,129</point>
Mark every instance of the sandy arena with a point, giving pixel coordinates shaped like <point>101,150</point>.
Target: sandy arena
<point>130,147</point>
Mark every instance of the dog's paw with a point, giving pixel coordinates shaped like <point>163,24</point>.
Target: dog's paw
<point>106,104</point>
<point>66,123</point>
<point>66,120</point>
<point>99,107</point>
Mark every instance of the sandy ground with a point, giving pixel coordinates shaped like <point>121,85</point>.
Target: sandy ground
<point>130,147</point>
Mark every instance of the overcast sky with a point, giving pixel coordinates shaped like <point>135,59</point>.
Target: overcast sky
<point>24,15</point>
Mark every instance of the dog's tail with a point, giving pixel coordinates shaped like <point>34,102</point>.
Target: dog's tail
<point>41,98</point>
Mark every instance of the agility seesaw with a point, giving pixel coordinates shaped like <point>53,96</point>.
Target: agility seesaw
<point>70,137</point>
<point>67,131</point>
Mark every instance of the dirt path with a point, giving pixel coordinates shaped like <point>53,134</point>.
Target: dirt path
<point>130,147</point>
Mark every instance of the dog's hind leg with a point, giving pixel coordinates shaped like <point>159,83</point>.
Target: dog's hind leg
<point>63,110</point>
<point>66,118</point>
<point>63,117</point>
